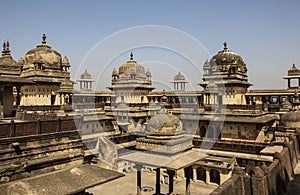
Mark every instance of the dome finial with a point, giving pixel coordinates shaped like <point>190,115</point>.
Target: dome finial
<point>4,46</point>
<point>7,45</point>
<point>5,50</point>
<point>225,45</point>
<point>131,56</point>
<point>44,39</point>
<point>294,66</point>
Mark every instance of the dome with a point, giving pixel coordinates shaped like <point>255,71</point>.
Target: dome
<point>294,71</point>
<point>164,124</point>
<point>43,54</point>
<point>6,59</point>
<point>85,75</point>
<point>228,57</point>
<point>65,61</point>
<point>115,72</point>
<point>179,77</point>
<point>21,61</point>
<point>132,66</point>
<point>290,119</point>
<point>148,73</point>
<point>206,65</point>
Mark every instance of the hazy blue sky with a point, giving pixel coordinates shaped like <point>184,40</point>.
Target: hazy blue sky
<point>265,33</point>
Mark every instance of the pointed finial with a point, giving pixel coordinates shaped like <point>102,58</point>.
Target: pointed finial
<point>7,45</point>
<point>4,46</point>
<point>294,66</point>
<point>44,39</point>
<point>225,45</point>
<point>131,56</point>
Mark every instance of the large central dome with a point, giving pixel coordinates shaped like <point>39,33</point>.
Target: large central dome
<point>43,54</point>
<point>132,66</point>
<point>228,58</point>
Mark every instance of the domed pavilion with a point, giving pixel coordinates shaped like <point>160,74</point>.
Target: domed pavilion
<point>49,72</point>
<point>164,135</point>
<point>228,71</point>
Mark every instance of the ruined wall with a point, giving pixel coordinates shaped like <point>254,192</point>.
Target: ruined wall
<point>29,148</point>
<point>266,180</point>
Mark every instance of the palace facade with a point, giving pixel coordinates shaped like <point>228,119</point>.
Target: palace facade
<point>47,125</point>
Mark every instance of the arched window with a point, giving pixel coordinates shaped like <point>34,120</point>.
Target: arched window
<point>202,131</point>
<point>201,174</point>
<point>211,132</point>
<point>214,176</point>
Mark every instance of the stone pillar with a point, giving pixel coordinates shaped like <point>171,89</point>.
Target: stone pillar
<point>18,96</point>
<point>138,180</point>
<point>157,185</point>
<point>171,174</point>
<point>207,177</point>
<point>289,83</point>
<point>188,175</point>
<point>194,174</point>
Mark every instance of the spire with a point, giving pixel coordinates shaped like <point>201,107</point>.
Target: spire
<point>5,50</point>
<point>4,46</point>
<point>7,45</point>
<point>44,39</point>
<point>225,45</point>
<point>131,56</point>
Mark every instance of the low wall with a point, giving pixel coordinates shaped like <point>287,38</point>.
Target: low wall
<point>266,180</point>
<point>26,128</point>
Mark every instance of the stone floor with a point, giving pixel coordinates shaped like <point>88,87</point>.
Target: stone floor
<point>127,186</point>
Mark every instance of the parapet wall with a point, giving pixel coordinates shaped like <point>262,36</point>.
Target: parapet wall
<point>31,148</point>
<point>26,128</point>
<point>266,180</point>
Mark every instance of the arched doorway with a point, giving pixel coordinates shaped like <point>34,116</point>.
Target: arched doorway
<point>217,133</point>
<point>202,132</point>
<point>201,174</point>
<point>214,176</point>
<point>211,132</point>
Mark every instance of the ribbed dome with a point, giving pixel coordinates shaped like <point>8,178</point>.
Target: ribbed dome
<point>43,54</point>
<point>179,77</point>
<point>290,119</point>
<point>228,57</point>
<point>164,124</point>
<point>293,71</point>
<point>132,66</point>
<point>85,75</point>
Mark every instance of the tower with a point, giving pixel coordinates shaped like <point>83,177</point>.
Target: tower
<point>226,73</point>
